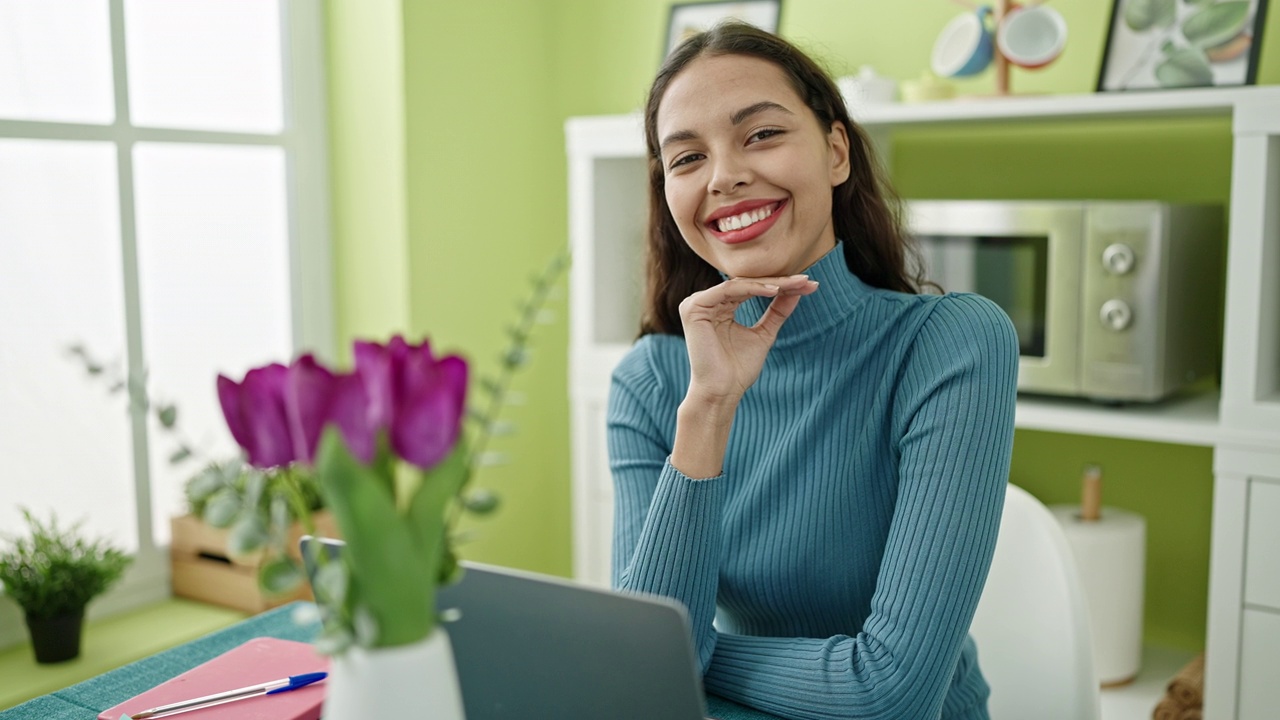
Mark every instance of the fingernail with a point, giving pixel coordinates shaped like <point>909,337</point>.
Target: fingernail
<point>770,287</point>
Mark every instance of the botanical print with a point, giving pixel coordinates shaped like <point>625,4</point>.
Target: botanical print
<point>1181,43</point>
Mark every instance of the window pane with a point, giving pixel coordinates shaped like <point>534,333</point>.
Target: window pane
<point>64,438</point>
<point>55,61</point>
<point>205,64</point>
<point>213,257</point>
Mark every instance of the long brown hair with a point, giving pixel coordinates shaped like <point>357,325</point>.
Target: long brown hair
<point>866,212</point>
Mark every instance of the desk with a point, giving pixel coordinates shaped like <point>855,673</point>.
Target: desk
<point>85,700</point>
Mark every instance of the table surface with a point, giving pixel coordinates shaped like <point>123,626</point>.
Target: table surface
<point>85,700</point>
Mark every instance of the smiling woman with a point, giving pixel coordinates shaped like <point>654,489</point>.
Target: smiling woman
<point>805,451</point>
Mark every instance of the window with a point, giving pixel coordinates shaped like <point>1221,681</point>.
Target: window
<point>162,203</point>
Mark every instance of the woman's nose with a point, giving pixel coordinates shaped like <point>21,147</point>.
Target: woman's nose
<point>729,172</point>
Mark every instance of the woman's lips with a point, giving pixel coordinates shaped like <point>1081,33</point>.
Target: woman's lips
<point>750,232</point>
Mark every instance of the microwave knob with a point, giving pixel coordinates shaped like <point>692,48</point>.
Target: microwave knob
<point>1118,258</point>
<point>1116,314</point>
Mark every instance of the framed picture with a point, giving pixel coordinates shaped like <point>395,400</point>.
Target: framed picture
<point>688,19</point>
<point>1166,44</point>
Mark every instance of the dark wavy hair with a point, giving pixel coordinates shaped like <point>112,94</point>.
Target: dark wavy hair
<point>865,210</point>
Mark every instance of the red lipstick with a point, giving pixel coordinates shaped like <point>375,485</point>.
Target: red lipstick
<point>749,232</point>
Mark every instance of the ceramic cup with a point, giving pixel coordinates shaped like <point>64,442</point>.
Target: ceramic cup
<point>965,45</point>
<point>1032,37</point>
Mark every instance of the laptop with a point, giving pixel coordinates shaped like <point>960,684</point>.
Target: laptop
<point>529,645</point>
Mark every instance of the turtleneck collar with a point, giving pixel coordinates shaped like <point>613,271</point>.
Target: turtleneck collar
<point>839,293</point>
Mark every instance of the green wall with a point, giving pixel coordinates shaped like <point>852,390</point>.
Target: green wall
<point>441,241</point>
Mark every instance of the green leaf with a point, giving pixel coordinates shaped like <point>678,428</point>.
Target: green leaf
<point>366,626</point>
<point>1186,68</point>
<point>331,584</point>
<point>334,641</point>
<point>481,501</point>
<point>279,576</point>
<point>254,485</point>
<point>249,533</point>
<point>168,415</point>
<point>427,510</point>
<point>1168,48</point>
<point>379,546</point>
<point>1142,15</point>
<point>1198,3</point>
<point>182,453</point>
<point>516,357</point>
<point>204,484</point>
<point>1216,24</point>
<point>222,508</point>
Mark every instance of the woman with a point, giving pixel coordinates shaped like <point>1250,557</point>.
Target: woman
<point>804,450</point>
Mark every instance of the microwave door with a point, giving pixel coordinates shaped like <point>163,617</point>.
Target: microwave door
<point>1026,265</point>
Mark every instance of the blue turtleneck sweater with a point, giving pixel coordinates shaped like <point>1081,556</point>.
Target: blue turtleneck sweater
<point>842,550</point>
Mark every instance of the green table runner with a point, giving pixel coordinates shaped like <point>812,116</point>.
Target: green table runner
<point>85,700</point>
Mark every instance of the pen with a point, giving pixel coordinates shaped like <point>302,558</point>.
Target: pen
<point>267,688</point>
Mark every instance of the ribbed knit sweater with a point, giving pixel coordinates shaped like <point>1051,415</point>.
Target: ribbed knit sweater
<point>842,550</point>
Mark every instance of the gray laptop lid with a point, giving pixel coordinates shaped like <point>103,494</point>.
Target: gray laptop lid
<point>534,646</point>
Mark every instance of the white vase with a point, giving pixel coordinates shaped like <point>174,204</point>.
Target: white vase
<point>408,681</point>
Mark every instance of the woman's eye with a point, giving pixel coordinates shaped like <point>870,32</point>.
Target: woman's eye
<point>765,134</point>
<point>685,159</point>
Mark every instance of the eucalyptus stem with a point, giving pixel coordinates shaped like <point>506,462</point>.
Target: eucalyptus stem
<point>512,360</point>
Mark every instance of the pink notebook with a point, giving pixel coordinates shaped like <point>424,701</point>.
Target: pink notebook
<point>257,661</point>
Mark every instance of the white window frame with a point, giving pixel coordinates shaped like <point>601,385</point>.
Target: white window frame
<point>304,141</point>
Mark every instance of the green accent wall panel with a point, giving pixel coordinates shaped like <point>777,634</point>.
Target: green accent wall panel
<point>1171,486</point>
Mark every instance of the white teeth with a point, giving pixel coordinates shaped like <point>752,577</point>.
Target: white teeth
<point>746,219</point>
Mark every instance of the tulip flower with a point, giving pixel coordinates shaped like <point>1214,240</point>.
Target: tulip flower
<point>417,398</point>
<point>255,412</point>
<point>316,397</point>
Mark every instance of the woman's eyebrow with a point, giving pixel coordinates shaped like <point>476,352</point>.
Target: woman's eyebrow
<point>737,119</point>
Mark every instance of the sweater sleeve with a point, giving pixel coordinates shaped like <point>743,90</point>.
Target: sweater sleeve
<point>953,423</point>
<point>666,538</point>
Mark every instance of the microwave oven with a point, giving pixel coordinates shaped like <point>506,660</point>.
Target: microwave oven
<point>1115,301</point>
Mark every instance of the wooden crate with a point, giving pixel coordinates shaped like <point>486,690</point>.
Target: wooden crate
<point>203,570</point>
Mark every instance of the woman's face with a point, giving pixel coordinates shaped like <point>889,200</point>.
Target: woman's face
<point>748,168</point>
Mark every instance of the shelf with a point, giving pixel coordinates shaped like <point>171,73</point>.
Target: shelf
<point>1189,420</point>
<point>1136,700</point>
<point>1180,103</point>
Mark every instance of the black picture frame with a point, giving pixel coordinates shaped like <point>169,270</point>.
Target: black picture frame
<point>688,18</point>
<point>1148,46</point>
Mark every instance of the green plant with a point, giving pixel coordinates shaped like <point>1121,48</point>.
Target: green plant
<point>53,571</point>
<point>118,381</point>
<point>388,444</point>
<point>259,507</point>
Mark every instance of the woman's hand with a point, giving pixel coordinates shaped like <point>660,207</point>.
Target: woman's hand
<point>725,359</point>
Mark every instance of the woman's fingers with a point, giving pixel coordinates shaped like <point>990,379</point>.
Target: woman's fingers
<point>728,295</point>
<point>777,313</point>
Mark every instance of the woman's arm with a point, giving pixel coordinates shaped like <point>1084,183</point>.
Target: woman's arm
<point>668,498</point>
<point>953,418</point>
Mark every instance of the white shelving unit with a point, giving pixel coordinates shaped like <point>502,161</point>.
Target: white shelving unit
<point>608,212</point>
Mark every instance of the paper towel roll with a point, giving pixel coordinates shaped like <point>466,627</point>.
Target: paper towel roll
<point>1111,555</point>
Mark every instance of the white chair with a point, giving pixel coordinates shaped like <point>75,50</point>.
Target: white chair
<point>1032,623</point>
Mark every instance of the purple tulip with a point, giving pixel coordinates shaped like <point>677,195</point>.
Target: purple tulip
<point>416,397</point>
<point>255,412</point>
<point>315,397</point>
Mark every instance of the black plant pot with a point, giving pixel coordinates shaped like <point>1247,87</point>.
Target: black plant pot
<point>56,639</point>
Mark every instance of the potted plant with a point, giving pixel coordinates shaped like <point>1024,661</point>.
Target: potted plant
<point>387,446</point>
<point>236,545</point>
<point>53,573</point>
